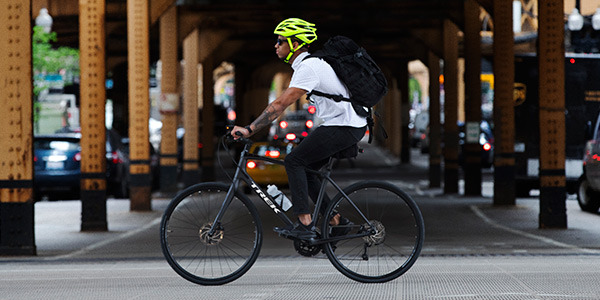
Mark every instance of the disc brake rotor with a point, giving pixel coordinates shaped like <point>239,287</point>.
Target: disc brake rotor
<point>208,239</point>
<point>378,237</point>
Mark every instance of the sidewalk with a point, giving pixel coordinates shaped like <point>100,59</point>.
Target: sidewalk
<point>455,224</point>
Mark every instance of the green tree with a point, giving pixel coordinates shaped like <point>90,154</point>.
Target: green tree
<point>49,60</point>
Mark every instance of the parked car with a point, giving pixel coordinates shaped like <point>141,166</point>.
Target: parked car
<point>268,173</point>
<point>57,166</point>
<point>486,142</point>
<point>588,186</point>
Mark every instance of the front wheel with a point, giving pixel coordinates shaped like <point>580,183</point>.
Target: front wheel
<point>391,232</point>
<point>197,254</point>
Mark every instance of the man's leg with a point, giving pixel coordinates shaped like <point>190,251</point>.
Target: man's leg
<point>317,147</point>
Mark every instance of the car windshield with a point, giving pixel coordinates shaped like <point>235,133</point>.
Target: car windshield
<point>60,145</point>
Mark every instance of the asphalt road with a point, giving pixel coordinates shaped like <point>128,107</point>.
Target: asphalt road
<point>472,250</point>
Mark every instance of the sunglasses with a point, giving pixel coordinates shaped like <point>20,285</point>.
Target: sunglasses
<point>281,42</point>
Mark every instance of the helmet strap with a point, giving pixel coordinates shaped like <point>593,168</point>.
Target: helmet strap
<point>292,50</point>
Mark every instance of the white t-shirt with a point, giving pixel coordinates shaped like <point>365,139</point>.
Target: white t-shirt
<point>316,74</point>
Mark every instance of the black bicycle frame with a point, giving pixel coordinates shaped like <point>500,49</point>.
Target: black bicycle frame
<point>242,174</point>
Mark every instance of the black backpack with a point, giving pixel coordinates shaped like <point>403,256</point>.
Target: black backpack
<point>357,70</point>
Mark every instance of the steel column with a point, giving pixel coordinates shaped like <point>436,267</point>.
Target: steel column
<point>169,107</point>
<point>551,55</point>
<point>472,150</point>
<point>435,151</point>
<point>450,107</point>
<point>93,97</point>
<point>138,54</point>
<point>403,78</point>
<point>208,120</point>
<point>191,174</point>
<point>504,115</point>
<point>16,136</point>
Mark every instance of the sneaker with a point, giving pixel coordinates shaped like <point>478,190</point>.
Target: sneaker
<point>296,231</point>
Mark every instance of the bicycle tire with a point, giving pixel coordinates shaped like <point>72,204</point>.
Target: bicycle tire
<point>397,243</point>
<point>217,259</point>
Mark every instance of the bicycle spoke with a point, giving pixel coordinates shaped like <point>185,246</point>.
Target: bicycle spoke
<point>224,254</point>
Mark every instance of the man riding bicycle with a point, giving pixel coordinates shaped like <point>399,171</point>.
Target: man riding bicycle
<point>341,129</point>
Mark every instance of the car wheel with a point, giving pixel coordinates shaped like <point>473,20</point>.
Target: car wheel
<point>588,199</point>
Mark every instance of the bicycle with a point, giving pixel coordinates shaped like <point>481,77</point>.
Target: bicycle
<point>211,233</point>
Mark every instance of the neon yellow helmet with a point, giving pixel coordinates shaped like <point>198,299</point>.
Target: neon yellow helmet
<point>299,29</point>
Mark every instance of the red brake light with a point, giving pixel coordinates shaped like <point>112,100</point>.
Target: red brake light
<point>251,165</point>
<point>487,146</point>
<point>283,124</point>
<point>309,123</point>
<point>290,136</point>
<point>304,133</point>
<point>115,158</point>
<point>273,153</point>
<point>77,157</point>
<point>312,109</point>
<point>231,116</point>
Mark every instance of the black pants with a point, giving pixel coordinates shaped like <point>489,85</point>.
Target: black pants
<point>314,152</point>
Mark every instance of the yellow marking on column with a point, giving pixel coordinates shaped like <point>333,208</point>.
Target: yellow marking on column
<point>553,181</point>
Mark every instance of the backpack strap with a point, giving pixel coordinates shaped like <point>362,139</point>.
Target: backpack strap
<point>336,98</point>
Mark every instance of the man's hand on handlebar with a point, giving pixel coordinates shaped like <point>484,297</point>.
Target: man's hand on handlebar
<point>239,132</point>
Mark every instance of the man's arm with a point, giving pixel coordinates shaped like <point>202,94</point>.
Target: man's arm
<point>272,111</point>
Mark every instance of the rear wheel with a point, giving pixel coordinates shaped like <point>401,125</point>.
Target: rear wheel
<point>588,199</point>
<point>395,230</point>
<point>205,258</point>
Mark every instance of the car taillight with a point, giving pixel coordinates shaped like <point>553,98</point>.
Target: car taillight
<point>251,165</point>
<point>115,157</point>
<point>77,157</point>
<point>290,136</point>
<point>304,133</point>
<point>35,158</point>
<point>273,153</point>
<point>283,124</point>
<point>312,109</point>
<point>487,147</point>
<point>309,123</point>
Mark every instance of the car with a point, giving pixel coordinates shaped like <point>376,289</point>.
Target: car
<point>294,126</point>
<point>486,141</point>
<point>54,182</point>
<point>57,166</point>
<point>268,173</point>
<point>117,165</point>
<point>588,185</point>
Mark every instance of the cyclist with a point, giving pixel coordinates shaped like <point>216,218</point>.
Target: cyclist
<point>341,129</point>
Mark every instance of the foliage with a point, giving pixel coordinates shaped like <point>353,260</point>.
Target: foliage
<point>48,60</point>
